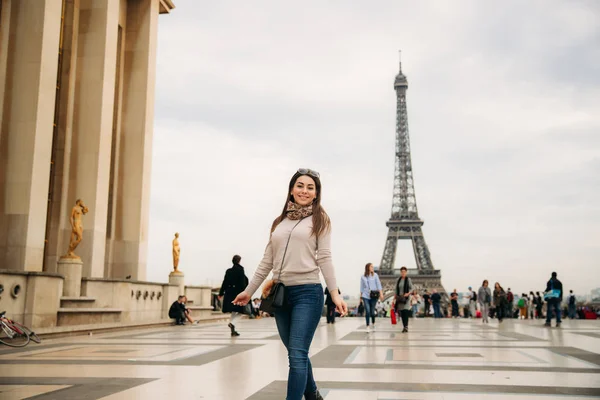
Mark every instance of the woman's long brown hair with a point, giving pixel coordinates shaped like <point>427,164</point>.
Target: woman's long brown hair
<point>321,222</point>
<point>367,272</point>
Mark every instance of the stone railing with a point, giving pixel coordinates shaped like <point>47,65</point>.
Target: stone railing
<point>138,300</point>
<point>32,298</point>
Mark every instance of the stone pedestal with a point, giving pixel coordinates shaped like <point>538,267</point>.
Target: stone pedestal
<point>178,278</point>
<point>71,269</point>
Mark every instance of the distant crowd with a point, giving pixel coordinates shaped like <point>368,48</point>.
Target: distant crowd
<point>408,302</point>
<point>484,303</point>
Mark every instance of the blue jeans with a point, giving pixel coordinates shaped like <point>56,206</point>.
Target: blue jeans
<point>436,310</point>
<point>572,311</point>
<point>415,310</point>
<point>370,309</point>
<point>553,304</point>
<point>297,324</point>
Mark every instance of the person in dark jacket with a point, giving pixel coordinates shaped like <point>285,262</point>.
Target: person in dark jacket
<point>436,298</point>
<point>234,283</point>
<point>330,307</point>
<point>177,311</point>
<point>499,301</point>
<point>361,309</point>
<point>404,288</point>
<point>539,304</point>
<point>554,296</point>
<point>454,302</point>
<point>426,303</point>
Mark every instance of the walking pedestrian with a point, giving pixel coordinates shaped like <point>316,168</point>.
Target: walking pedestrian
<point>330,307</point>
<point>436,298</point>
<point>572,302</point>
<point>404,287</point>
<point>371,292</point>
<point>553,296</point>
<point>426,303</point>
<point>539,305</point>
<point>234,283</point>
<point>484,296</point>
<point>296,234</point>
<point>454,302</point>
<point>522,306</point>
<point>472,296</point>
<point>531,305</point>
<point>510,300</point>
<point>379,311</point>
<point>415,300</point>
<point>499,301</point>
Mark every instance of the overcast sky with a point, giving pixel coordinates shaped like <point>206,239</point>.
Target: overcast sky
<point>503,106</point>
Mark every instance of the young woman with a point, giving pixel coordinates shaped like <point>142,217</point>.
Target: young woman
<point>303,233</point>
<point>499,301</point>
<point>484,297</point>
<point>404,287</point>
<point>415,300</point>
<point>234,282</point>
<point>370,292</point>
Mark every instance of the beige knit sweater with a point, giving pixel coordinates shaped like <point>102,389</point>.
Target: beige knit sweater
<point>302,259</point>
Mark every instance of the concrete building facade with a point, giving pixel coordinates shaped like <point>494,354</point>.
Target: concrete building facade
<point>77,82</point>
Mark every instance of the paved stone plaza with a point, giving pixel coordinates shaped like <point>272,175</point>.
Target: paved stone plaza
<point>437,359</point>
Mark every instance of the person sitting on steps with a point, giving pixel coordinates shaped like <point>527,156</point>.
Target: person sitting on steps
<point>177,311</point>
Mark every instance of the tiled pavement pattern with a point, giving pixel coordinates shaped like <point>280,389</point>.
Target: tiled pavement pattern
<point>438,359</point>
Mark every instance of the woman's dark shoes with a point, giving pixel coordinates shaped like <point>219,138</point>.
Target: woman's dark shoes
<point>233,332</point>
<point>313,396</point>
<point>405,330</point>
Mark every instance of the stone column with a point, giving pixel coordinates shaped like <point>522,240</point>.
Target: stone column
<point>26,129</point>
<point>92,125</point>
<point>5,13</point>
<point>131,232</point>
<point>58,221</point>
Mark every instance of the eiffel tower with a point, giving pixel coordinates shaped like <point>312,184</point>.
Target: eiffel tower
<point>405,222</point>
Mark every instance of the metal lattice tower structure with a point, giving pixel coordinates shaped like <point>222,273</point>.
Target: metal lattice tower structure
<point>405,223</point>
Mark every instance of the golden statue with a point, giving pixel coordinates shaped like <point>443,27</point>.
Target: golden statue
<point>76,227</point>
<point>176,251</point>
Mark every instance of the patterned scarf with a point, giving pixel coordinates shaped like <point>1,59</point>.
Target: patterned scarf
<point>296,212</point>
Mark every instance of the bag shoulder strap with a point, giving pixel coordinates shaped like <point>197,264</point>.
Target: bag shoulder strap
<point>286,247</point>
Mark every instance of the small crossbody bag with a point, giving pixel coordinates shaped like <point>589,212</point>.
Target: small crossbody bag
<point>374,294</point>
<point>277,296</point>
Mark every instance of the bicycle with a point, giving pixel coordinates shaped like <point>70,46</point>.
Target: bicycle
<point>14,334</point>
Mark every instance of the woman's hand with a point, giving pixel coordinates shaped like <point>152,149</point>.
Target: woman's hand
<point>381,297</point>
<point>241,299</point>
<point>340,304</point>
<point>406,294</point>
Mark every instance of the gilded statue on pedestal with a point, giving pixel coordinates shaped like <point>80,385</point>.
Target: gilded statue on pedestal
<point>176,251</point>
<point>76,227</point>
